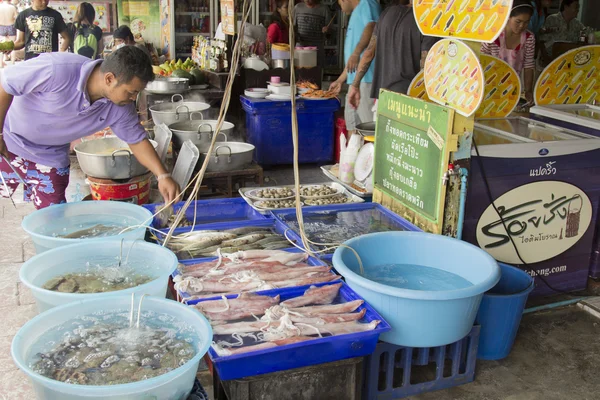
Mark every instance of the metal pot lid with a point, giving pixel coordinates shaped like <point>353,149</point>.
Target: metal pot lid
<point>193,125</point>
<point>104,147</point>
<point>180,106</point>
<point>366,128</point>
<point>235,147</point>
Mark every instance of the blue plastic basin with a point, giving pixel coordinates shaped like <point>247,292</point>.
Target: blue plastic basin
<point>501,311</point>
<point>420,318</point>
<point>41,224</point>
<point>146,258</point>
<point>176,384</point>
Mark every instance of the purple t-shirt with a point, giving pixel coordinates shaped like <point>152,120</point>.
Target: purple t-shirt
<point>51,108</point>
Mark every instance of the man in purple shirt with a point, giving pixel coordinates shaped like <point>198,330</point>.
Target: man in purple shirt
<point>56,98</point>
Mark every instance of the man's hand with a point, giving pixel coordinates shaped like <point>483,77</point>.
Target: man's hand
<point>169,189</point>
<point>354,96</point>
<point>529,97</point>
<point>352,63</point>
<point>3,149</point>
<point>335,87</point>
<point>325,29</point>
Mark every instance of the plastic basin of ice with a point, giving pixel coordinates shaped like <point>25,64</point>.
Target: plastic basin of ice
<point>176,384</point>
<point>70,217</point>
<point>144,258</point>
<point>419,318</point>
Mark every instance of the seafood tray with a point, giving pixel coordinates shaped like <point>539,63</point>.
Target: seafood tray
<point>275,226</point>
<point>327,171</point>
<point>338,223</point>
<point>302,354</point>
<point>307,201</point>
<point>185,296</point>
<point>213,211</point>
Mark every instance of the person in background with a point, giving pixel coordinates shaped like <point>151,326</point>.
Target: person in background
<point>50,101</point>
<point>278,31</point>
<point>561,27</point>
<point>540,13</point>
<point>123,36</point>
<point>363,16</point>
<point>310,24</point>
<point>399,50</point>
<point>86,38</point>
<point>516,45</point>
<point>8,16</point>
<point>38,28</point>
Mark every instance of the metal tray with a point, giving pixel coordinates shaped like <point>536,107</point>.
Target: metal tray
<point>327,171</point>
<point>242,191</point>
<point>334,185</point>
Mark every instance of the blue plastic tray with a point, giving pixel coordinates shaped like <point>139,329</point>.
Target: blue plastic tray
<point>276,225</point>
<point>212,211</point>
<point>184,295</point>
<point>317,351</point>
<point>400,222</point>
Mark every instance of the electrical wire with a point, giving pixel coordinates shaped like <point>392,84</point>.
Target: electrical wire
<point>491,199</point>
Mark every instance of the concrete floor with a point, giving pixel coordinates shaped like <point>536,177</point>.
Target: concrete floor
<point>556,355</point>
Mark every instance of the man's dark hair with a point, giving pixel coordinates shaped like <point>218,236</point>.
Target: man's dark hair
<point>123,32</point>
<point>566,3</point>
<point>129,62</point>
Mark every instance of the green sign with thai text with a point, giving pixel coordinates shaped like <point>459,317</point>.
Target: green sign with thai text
<point>411,152</point>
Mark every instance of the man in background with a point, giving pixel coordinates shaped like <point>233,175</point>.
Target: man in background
<point>399,49</point>
<point>363,16</point>
<point>38,28</point>
<point>311,19</point>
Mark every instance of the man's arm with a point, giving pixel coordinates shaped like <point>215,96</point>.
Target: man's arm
<point>5,102</point>
<point>20,42</point>
<point>364,41</point>
<point>365,62</point>
<point>66,41</point>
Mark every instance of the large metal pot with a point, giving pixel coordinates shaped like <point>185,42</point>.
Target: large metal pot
<point>109,158</point>
<point>200,132</point>
<point>169,113</point>
<point>366,128</point>
<point>168,85</point>
<point>229,156</point>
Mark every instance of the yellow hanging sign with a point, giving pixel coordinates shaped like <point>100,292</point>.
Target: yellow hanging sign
<point>502,88</point>
<point>476,20</point>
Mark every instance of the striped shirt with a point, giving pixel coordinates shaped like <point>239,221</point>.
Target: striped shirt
<point>520,58</point>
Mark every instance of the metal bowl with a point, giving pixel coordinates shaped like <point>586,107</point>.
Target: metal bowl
<point>366,128</point>
<point>229,156</point>
<point>169,113</point>
<point>168,85</point>
<point>200,132</point>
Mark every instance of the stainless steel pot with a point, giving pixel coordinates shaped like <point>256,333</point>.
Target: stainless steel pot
<point>109,158</point>
<point>281,63</point>
<point>200,132</point>
<point>366,128</point>
<point>168,85</point>
<point>229,157</point>
<point>169,113</point>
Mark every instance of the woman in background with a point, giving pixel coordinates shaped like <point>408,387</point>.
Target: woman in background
<point>516,45</point>
<point>278,31</point>
<point>86,38</point>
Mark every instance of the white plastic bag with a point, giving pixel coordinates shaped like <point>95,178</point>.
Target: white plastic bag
<point>348,157</point>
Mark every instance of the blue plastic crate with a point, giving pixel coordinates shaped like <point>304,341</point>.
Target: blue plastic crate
<point>318,351</point>
<point>269,129</point>
<point>396,372</point>
<point>388,216</point>
<point>212,211</point>
<point>184,295</point>
<point>275,225</point>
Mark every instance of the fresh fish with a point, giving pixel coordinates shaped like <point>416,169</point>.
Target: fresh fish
<point>247,230</point>
<point>268,276</point>
<point>243,240</point>
<point>262,346</point>
<point>277,245</point>
<point>163,216</point>
<point>244,300</point>
<point>314,295</point>
<point>316,278</point>
<point>329,318</point>
<point>248,310</point>
<point>268,239</point>
<point>242,327</point>
<point>199,242</point>
<point>94,231</point>
<point>329,309</point>
<point>336,328</point>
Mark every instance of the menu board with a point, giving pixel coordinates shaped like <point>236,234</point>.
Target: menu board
<point>68,9</point>
<point>417,87</point>
<point>454,77</point>
<point>411,152</point>
<point>502,88</point>
<point>228,16</point>
<point>476,20</point>
<point>573,78</point>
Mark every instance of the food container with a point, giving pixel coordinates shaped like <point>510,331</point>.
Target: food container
<point>176,384</point>
<point>200,132</point>
<point>135,190</point>
<point>229,157</point>
<point>109,158</point>
<point>169,113</point>
<point>168,85</point>
<point>281,63</point>
<point>305,57</point>
<point>158,262</point>
<point>280,51</point>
